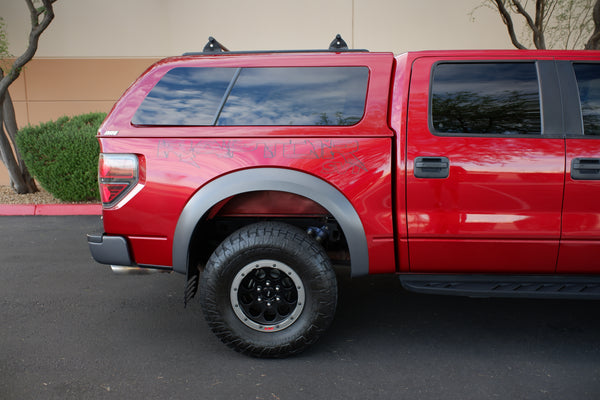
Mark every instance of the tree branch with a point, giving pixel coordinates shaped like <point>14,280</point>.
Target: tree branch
<point>551,7</point>
<point>10,121</point>
<point>580,22</point>
<point>539,24</point>
<point>537,34</point>
<point>20,179</point>
<point>36,30</point>
<point>8,158</point>
<point>594,41</point>
<point>507,19</point>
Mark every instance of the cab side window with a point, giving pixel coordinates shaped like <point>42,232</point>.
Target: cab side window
<point>485,98</point>
<point>588,83</point>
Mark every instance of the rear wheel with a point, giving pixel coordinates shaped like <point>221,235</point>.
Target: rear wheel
<point>269,290</point>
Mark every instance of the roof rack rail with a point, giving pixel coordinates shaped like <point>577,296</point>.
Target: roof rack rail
<point>213,47</point>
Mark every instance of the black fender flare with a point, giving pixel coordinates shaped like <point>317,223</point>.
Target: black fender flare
<point>275,179</point>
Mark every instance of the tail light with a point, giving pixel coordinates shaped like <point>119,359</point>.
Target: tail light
<point>117,175</point>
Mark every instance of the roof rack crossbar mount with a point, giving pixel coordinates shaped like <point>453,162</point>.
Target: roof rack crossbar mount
<point>213,47</point>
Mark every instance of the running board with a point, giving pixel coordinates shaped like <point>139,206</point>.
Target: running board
<point>538,286</point>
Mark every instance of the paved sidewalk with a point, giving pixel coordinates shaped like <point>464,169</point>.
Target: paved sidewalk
<point>50,209</point>
<point>41,203</point>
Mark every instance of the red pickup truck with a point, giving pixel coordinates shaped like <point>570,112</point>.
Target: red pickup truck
<point>461,172</point>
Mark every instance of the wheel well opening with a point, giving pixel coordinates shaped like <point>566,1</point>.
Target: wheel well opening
<point>247,208</point>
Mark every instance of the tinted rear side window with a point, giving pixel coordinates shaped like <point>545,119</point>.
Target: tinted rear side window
<point>185,96</point>
<point>588,82</point>
<point>257,96</point>
<point>297,96</point>
<point>486,98</point>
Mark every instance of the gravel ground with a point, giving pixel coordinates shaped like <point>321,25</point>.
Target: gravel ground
<point>8,196</point>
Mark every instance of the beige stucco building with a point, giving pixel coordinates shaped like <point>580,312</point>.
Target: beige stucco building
<point>94,49</point>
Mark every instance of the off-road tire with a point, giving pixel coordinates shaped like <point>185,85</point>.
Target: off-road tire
<point>280,250</point>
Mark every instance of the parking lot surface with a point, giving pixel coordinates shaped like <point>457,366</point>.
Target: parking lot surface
<point>70,329</point>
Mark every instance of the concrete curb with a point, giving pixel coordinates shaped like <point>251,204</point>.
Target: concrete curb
<point>50,209</point>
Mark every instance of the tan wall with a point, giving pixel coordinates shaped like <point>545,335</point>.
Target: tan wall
<point>50,88</point>
<point>149,28</point>
<point>3,175</point>
<point>84,60</point>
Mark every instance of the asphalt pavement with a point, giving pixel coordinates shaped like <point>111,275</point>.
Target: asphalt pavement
<point>70,329</point>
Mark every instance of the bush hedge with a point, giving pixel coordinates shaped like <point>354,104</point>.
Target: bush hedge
<point>62,155</point>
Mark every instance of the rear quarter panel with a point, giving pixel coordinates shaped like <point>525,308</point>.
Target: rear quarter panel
<point>179,161</point>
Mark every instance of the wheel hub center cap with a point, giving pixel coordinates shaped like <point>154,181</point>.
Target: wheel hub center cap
<point>267,295</point>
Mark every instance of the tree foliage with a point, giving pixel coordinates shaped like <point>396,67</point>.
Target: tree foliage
<point>62,155</point>
<point>40,18</point>
<point>560,24</point>
<point>4,53</point>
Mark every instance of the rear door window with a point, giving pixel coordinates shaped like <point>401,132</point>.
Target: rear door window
<point>588,83</point>
<point>486,98</point>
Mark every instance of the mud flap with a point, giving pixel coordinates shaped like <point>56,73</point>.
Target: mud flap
<point>191,287</point>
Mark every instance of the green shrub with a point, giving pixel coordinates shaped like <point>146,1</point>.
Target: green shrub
<point>63,156</point>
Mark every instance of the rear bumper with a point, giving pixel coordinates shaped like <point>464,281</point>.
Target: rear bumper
<point>111,250</point>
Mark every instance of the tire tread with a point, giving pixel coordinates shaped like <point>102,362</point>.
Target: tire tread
<point>255,238</point>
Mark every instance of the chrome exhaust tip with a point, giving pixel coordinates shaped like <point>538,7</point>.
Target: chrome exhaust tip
<point>127,270</point>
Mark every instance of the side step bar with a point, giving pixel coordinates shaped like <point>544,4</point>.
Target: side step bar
<point>533,286</point>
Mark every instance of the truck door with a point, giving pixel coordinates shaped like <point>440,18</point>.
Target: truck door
<point>580,244</point>
<point>485,166</point>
